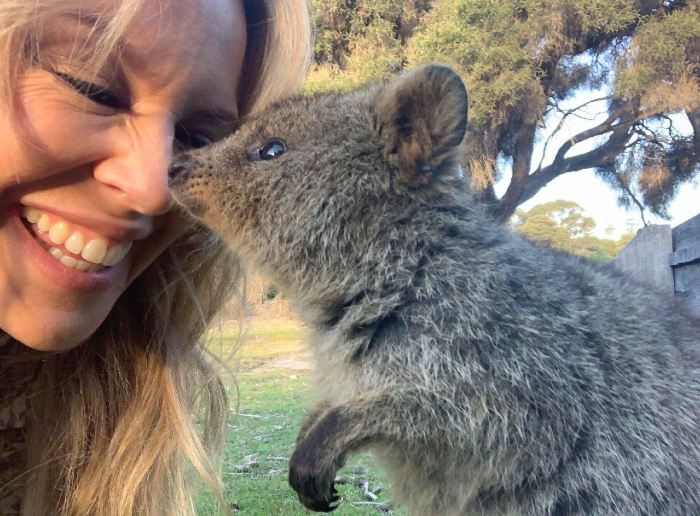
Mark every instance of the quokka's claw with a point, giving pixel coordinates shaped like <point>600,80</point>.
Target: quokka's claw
<point>321,503</point>
<point>316,492</point>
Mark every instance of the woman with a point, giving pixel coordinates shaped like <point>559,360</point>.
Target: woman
<point>104,291</point>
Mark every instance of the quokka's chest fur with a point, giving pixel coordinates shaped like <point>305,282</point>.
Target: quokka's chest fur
<point>493,376</point>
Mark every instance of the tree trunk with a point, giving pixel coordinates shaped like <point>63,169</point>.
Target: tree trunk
<point>694,117</point>
<point>522,161</point>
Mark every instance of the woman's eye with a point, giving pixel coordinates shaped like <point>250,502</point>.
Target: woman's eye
<point>98,94</point>
<point>191,139</point>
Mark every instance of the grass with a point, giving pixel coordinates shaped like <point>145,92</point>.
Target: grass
<point>263,341</point>
<point>261,435</point>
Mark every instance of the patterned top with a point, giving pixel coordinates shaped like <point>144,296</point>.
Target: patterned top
<point>16,378</point>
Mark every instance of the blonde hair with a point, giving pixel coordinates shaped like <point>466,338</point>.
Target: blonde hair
<point>111,430</point>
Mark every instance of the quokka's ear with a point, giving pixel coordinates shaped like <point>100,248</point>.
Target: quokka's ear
<point>422,117</point>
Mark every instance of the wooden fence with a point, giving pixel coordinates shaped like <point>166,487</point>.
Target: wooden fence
<point>667,259</point>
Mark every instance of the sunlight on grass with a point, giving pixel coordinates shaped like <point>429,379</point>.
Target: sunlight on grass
<point>262,340</point>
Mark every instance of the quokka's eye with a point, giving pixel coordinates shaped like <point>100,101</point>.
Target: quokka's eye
<point>271,149</point>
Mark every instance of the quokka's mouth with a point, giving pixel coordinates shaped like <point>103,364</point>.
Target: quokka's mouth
<point>180,169</point>
<point>182,183</point>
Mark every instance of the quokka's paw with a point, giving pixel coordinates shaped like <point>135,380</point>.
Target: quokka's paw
<point>313,481</point>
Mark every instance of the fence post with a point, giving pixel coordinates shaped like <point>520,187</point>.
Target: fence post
<point>685,262</point>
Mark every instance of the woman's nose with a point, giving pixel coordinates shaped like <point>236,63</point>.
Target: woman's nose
<point>137,170</point>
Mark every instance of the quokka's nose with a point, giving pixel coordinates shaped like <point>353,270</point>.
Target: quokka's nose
<point>180,166</point>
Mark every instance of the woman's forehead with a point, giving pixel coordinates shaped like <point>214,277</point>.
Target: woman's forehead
<point>194,20</point>
<point>148,19</point>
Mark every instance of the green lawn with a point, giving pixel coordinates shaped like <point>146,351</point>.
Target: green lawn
<point>261,434</point>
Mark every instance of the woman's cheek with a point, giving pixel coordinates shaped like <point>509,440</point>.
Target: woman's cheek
<point>56,130</point>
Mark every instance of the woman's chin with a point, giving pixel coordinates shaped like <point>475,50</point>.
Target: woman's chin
<point>54,336</point>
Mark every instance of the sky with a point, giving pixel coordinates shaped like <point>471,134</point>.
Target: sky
<point>597,199</point>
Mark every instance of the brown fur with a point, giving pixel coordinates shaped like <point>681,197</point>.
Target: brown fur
<point>490,375</point>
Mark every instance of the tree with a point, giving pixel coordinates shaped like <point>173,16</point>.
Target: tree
<point>562,225</point>
<point>521,60</point>
<point>360,40</point>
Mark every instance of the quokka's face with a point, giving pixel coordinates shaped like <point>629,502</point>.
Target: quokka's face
<point>281,165</point>
<point>309,163</point>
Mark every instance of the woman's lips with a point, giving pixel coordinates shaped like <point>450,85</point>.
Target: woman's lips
<point>36,254</point>
<point>82,248</point>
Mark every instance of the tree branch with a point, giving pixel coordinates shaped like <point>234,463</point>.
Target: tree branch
<point>565,114</point>
<point>522,161</point>
<point>694,118</point>
<point>572,111</point>
<point>624,186</point>
<point>625,116</point>
<point>597,157</point>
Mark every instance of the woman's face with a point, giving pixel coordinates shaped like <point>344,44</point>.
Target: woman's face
<point>84,199</point>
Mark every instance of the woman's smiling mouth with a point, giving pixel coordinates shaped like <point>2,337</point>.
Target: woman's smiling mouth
<point>69,245</point>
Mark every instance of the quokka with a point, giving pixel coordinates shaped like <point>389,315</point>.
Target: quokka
<point>489,375</point>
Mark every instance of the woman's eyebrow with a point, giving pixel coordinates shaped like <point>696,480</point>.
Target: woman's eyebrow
<point>94,22</point>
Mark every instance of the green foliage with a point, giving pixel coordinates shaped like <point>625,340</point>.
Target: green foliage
<point>488,45</point>
<point>663,63</point>
<point>359,40</point>
<point>604,16</point>
<point>563,225</point>
<point>376,52</point>
<point>325,78</point>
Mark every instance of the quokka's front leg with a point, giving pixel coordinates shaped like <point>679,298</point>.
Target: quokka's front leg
<point>321,449</point>
<point>313,415</point>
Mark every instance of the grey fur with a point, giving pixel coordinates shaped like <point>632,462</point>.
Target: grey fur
<point>490,375</point>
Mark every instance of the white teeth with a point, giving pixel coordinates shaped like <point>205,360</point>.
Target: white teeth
<point>71,262</point>
<point>75,242</point>
<point>95,253</point>
<point>82,265</point>
<point>31,214</point>
<point>95,250</point>
<point>58,232</point>
<point>44,223</point>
